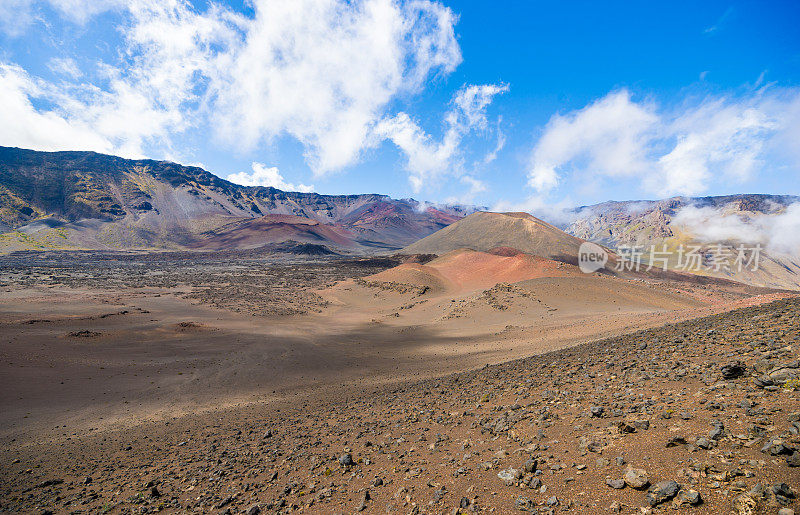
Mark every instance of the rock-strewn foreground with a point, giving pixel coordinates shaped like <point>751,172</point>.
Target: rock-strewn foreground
<point>702,416</point>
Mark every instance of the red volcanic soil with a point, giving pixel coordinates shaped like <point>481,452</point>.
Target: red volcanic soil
<point>441,216</point>
<point>505,251</point>
<point>468,269</point>
<point>274,229</point>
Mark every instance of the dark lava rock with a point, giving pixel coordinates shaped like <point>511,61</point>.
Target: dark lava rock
<point>733,370</point>
<point>676,441</point>
<point>616,484</point>
<point>662,491</point>
<point>524,504</point>
<point>783,490</point>
<point>686,498</point>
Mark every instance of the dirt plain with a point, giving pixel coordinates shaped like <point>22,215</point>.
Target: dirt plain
<point>247,382</point>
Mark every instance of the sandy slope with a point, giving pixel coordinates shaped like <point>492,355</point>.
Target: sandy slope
<point>485,230</point>
<point>87,356</point>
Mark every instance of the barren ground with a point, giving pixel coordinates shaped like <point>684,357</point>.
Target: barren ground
<point>229,382</point>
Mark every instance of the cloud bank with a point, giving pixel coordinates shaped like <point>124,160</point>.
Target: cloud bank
<point>668,150</point>
<point>778,231</point>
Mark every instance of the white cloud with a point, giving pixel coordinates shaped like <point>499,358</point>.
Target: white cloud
<point>324,72</point>
<point>778,230</point>
<point>714,28</point>
<point>82,11</point>
<point>321,71</point>
<point>120,119</point>
<point>64,66</point>
<point>15,16</point>
<point>501,143</point>
<point>428,159</point>
<point>475,188</point>
<point>678,150</point>
<point>475,185</point>
<point>716,137</point>
<point>267,176</point>
<point>607,137</point>
<point>26,126</point>
<point>559,213</point>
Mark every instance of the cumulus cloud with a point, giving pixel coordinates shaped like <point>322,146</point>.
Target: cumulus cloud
<point>778,230</point>
<point>607,137</point>
<point>428,159</point>
<point>324,72</point>
<point>26,126</point>
<point>263,175</point>
<point>321,71</point>
<point>677,150</point>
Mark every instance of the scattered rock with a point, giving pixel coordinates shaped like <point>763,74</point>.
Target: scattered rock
<point>704,443</point>
<point>530,466</point>
<point>509,475</point>
<point>662,491</point>
<point>733,370</point>
<point>676,441</point>
<point>616,484</point>
<point>744,504</point>
<point>362,505</point>
<point>783,490</point>
<point>636,478</point>
<point>686,498</point>
<point>524,504</point>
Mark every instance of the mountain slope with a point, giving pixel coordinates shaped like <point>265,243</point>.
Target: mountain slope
<point>254,233</point>
<point>710,223</point>
<point>484,231</point>
<point>90,200</point>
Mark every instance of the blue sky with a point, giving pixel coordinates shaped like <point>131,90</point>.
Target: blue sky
<point>514,105</point>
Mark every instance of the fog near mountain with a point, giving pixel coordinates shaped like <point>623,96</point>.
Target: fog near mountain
<point>714,224</point>
<point>778,229</point>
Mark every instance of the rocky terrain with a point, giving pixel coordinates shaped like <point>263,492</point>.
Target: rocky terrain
<point>266,281</point>
<point>701,416</point>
